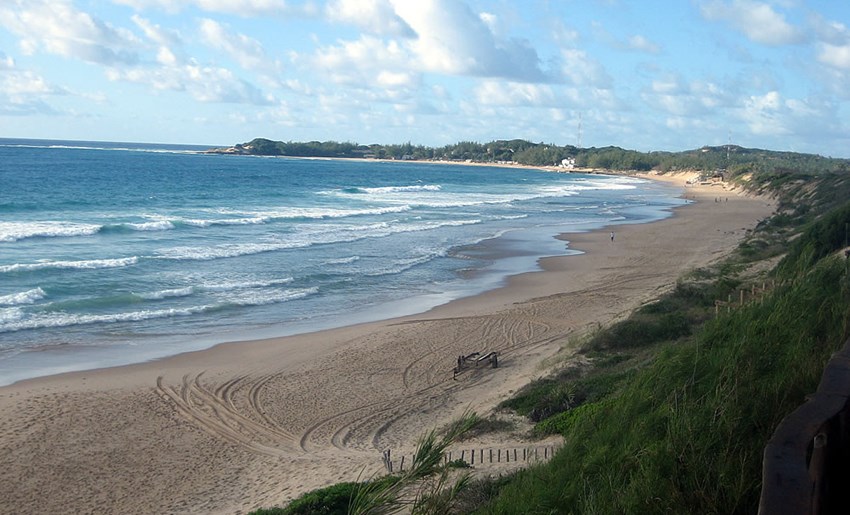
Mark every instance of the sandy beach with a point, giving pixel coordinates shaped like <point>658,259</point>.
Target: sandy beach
<point>253,424</point>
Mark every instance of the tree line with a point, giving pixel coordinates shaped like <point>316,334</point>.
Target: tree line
<point>735,159</point>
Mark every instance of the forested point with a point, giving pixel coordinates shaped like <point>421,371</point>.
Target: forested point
<point>735,159</point>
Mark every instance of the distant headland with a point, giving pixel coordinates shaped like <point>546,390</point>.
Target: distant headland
<point>567,157</point>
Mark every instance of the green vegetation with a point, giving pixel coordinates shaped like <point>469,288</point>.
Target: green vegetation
<point>333,500</point>
<point>772,169</point>
<point>684,432</point>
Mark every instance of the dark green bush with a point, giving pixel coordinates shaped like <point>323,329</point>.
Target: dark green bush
<point>333,500</point>
<point>641,330</point>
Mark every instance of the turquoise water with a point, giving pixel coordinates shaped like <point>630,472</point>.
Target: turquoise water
<point>118,253</point>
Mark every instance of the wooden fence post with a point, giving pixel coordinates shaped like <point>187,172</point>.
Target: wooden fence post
<point>817,467</point>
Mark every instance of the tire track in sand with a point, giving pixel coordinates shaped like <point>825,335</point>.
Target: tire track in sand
<point>217,413</point>
<point>234,409</point>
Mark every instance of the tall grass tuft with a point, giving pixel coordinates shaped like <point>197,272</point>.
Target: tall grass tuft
<point>426,487</point>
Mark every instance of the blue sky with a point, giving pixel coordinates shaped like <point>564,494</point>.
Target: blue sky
<point>645,75</point>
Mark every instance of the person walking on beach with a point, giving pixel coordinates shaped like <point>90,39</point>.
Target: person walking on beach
<point>612,235</point>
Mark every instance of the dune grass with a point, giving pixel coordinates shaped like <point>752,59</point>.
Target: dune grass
<point>681,423</point>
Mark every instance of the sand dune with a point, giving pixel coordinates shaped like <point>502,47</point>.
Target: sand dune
<point>253,424</point>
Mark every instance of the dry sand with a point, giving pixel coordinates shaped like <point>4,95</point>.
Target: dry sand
<point>254,424</point>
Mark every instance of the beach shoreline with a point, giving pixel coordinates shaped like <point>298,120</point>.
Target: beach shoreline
<point>82,347</point>
<point>249,424</point>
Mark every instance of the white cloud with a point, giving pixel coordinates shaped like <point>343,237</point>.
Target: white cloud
<point>375,16</point>
<point>832,50</point>
<point>582,70</point>
<point>676,98</point>
<point>58,28</point>
<point>169,42</point>
<point>772,115</point>
<point>156,33</point>
<point>246,51</point>
<point>833,44</point>
<point>6,62</point>
<point>827,31</point>
<point>563,35</point>
<point>452,39</point>
<point>23,92</point>
<point>501,93</point>
<point>204,83</point>
<point>837,56</point>
<point>367,62</point>
<point>23,83</point>
<point>642,44</point>
<point>244,8</point>
<point>756,20</point>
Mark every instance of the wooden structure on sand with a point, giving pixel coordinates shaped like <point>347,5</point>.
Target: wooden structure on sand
<point>475,360</point>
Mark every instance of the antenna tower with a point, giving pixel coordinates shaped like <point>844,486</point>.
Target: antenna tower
<point>579,130</point>
<point>728,146</point>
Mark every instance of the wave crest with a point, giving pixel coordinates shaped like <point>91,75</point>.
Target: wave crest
<point>14,231</point>
<point>81,265</point>
<point>26,297</point>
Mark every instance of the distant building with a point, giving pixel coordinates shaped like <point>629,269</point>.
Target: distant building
<point>568,162</point>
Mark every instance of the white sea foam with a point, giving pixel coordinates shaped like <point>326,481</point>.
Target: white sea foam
<point>325,235</point>
<point>62,319</point>
<point>85,264</point>
<point>317,213</point>
<point>228,250</point>
<point>259,297</point>
<point>14,319</point>
<point>10,315</point>
<point>196,222</point>
<point>510,217</point>
<point>342,261</point>
<point>157,225</point>
<point>403,189</point>
<point>403,265</point>
<point>240,285</point>
<point>165,294</point>
<point>14,231</point>
<point>25,297</point>
<point>403,197</point>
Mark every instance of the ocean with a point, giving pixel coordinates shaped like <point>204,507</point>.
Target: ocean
<point>117,253</point>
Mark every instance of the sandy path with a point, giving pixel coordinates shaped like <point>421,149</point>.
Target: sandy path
<point>253,424</point>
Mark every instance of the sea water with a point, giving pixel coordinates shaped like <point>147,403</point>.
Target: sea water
<point>114,253</point>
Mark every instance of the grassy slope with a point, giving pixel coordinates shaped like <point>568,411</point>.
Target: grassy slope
<point>680,425</point>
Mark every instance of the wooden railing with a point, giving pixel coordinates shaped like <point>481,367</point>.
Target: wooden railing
<point>806,467</point>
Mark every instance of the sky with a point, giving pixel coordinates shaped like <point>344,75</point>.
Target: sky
<point>647,75</point>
